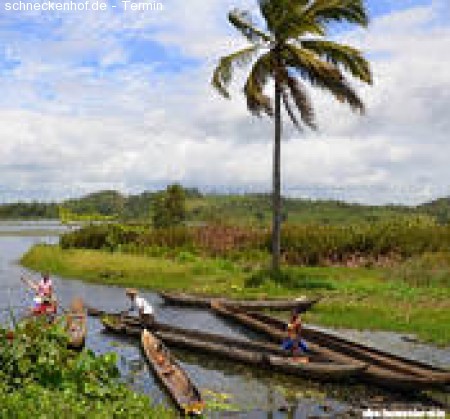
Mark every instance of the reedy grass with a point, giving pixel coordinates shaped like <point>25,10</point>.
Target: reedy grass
<point>361,298</point>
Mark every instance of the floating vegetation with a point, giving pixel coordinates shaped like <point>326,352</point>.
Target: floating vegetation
<point>218,401</point>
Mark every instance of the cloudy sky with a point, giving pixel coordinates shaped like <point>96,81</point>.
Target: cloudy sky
<point>121,99</point>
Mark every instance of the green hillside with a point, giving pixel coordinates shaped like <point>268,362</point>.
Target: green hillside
<point>249,209</point>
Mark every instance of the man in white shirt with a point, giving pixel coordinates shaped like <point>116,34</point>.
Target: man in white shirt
<point>142,306</point>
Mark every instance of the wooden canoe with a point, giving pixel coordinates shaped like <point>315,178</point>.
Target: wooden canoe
<point>375,373</point>
<point>132,327</point>
<point>301,304</point>
<point>323,371</point>
<point>261,354</point>
<point>176,381</point>
<point>76,325</point>
<point>361,351</point>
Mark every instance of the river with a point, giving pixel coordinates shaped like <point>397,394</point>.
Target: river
<point>251,393</point>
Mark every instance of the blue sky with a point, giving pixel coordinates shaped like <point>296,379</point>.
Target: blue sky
<point>122,100</point>
<point>138,42</point>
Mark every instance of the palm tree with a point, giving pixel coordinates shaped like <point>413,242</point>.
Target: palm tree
<point>288,51</point>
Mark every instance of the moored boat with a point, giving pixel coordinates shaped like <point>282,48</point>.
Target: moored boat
<point>261,354</point>
<point>300,304</point>
<point>378,373</point>
<point>131,326</point>
<point>76,325</point>
<point>361,351</point>
<point>177,382</point>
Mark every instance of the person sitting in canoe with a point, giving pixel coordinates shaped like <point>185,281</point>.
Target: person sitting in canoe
<point>142,306</point>
<point>44,301</point>
<point>294,342</point>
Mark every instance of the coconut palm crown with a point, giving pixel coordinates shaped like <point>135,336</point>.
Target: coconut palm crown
<point>289,51</point>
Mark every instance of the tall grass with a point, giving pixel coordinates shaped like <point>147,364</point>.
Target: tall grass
<point>309,244</point>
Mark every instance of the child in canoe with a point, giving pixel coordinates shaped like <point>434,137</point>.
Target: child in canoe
<point>294,342</point>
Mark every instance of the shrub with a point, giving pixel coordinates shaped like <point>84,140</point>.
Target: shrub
<point>40,377</point>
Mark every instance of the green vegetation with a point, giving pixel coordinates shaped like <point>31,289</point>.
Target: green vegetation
<point>440,209</point>
<point>169,208</point>
<point>310,244</point>
<point>242,210</point>
<point>68,216</point>
<point>28,210</point>
<point>40,377</point>
<point>376,298</point>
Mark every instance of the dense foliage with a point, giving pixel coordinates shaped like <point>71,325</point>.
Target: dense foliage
<point>169,207</point>
<point>28,210</point>
<point>309,244</point>
<point>246,210</point>
<point>40,377</point>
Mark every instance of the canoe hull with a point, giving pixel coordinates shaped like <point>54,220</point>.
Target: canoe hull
<point>382,374</point>
<point>364,353</point>
<point>261,354</point>
<point>174,379</point>
<point>76,325</point>
<point>188,300</point>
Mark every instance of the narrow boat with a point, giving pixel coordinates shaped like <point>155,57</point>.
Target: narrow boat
<point>76,325</point>
<point>177,382</point>
<point>261,354</point>
<point>376,372</point>
<point>131,326</point>
<point>305,367</point>
<point>359,350</point>
<point>301,304</point>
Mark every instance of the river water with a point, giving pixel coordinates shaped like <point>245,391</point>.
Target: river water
<point>247,392</point>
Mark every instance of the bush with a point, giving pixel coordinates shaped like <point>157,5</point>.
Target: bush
<point>40,377</point>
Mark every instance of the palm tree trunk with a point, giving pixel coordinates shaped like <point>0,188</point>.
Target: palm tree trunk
<point>276,193</point>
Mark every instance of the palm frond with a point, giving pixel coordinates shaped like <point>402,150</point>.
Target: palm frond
<point>297,92</point>
<point>242,22</point>
<point>325,11</point>
<point>321,74</point>
<point>350,58</point>
<point>286,19</point>
<point>257,101</point>
<point>302,101</point>
<point>289,110</point>
<point>223,74</point>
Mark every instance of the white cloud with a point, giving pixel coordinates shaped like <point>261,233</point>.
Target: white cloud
<point>68,128</point>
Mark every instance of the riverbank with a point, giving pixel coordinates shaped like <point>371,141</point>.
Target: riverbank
<point>358,298</point>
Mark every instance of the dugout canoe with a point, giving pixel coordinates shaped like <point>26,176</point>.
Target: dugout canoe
<point>375,373</point>
<point>188,300</point>
<point>259,354</point>
<point>131,326</point>
<point>76,325</point>
<point>361,351</point>
<point>305,367</point>
<point>173,377</point>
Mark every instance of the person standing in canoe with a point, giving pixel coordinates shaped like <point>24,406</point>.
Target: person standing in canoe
<point>44,299</point>
<point>294,342</point>
<point>142,306</point>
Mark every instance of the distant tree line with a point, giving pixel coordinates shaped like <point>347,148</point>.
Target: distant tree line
<point>24,210</point>
<point>176,205</point>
